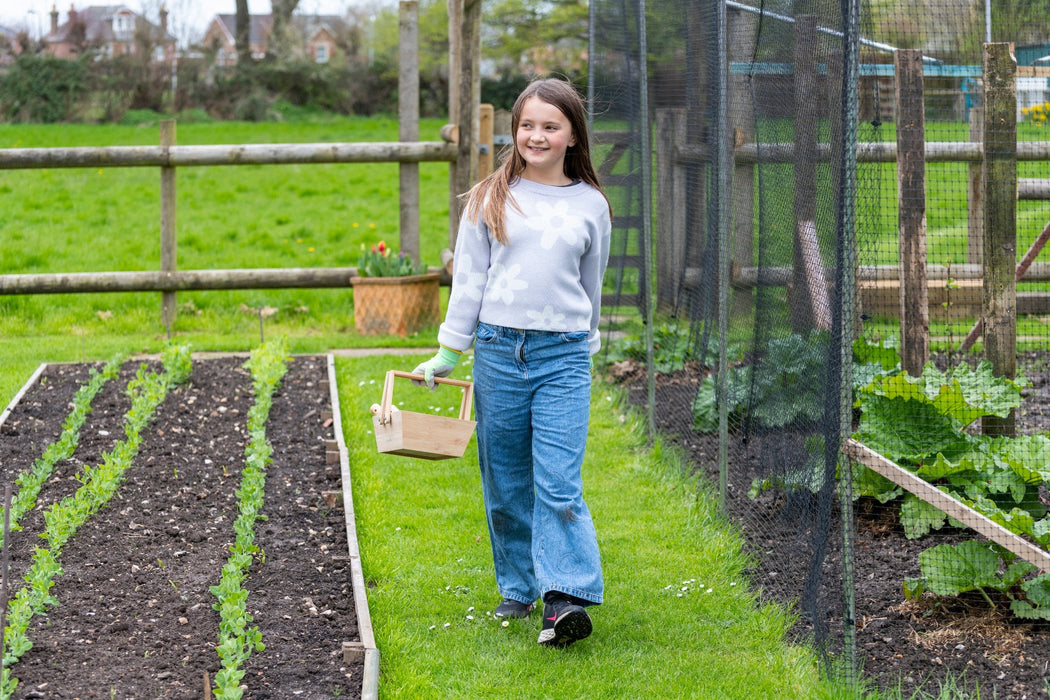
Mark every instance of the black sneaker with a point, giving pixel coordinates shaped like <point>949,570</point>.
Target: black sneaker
<point>513,609</point>
<point>564,622</point>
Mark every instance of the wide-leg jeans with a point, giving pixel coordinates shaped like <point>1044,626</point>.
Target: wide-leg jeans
<point>532,405</point>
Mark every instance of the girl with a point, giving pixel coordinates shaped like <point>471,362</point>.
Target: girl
<point>527,281</point>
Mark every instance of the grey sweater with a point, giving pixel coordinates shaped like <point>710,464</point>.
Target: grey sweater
<point>549,275</point>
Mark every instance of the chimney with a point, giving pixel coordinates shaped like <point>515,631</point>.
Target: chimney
<point>163,20</point>
<point>54,19</point>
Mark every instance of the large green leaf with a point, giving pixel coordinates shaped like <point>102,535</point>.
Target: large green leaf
<point>885,356</point>
<point>1027,455</point>
<point>868,482</point>
<point>1037,607</point>
<point>918,517</point>
<point>908,431</point>
<point>980,388</point>
<point>949,570</point>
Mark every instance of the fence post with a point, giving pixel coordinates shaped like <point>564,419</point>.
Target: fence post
<point>486,124</point>
<point>408,123</point>
<point>805,255</point>
<point>999,308</point>
<point>911,210</point>
<point>975,200</point>
<point>455,50</point>
<point>743,36</point>
<point>670,207</point>
<point>168,246</point>
<point>463,173</point>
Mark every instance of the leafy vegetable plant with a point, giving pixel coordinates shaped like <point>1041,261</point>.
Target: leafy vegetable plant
<point>921,423</point>
<point>783,386</point>
<point>673,346</point>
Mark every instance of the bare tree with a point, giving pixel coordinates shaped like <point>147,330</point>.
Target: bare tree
<point>243,36</point>
<point>281,34</point>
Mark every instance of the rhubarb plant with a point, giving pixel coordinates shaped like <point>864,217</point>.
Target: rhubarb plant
<point>30,481</point>
<point>62,520</point>
<point>237,639</point>
<point>923,424</point>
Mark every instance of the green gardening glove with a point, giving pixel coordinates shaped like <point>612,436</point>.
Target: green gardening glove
<point>440,365</point>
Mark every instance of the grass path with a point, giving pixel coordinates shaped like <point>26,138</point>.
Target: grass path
<point>428,565</point>
<point>679,620</point>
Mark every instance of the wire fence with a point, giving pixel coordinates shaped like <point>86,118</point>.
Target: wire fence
<point>828,235</point>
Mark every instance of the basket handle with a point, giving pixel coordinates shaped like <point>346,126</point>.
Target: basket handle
<point>388,393</point>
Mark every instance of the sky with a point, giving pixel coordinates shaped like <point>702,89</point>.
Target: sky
<point>187,18</point>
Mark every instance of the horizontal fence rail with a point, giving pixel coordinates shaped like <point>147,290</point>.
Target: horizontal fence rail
<point>186,280</point>
<point>936,152</point>
<point>234,154</point>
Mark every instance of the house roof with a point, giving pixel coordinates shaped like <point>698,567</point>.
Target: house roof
<point>259,31</point>
<point>98,25</point>
<point>261,25</point>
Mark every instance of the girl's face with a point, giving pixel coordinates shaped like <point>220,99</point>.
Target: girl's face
<point>544,135</point>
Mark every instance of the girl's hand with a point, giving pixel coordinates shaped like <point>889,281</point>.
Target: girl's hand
<point>440,365</point>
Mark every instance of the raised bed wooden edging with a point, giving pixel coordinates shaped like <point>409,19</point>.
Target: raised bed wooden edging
<point>370,684</point>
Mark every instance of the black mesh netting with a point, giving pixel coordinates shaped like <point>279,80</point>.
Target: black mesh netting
<point>820,211</point>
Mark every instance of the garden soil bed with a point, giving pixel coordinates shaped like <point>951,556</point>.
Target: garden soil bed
<point>134,616</point>
<point>899,644</point>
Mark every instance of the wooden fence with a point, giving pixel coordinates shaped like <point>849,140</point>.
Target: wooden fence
<point>458,147</point>
<point>993,193</point>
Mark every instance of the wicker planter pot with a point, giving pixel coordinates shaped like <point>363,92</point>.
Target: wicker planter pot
<point>396,305</point>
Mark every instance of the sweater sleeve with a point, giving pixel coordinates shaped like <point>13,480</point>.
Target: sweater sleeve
<point>470,269</point>
<point>592,272</point>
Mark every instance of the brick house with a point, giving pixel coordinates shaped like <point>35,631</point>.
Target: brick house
<point>317,37</point>
<point>112,30</point>
<point>9,45</point>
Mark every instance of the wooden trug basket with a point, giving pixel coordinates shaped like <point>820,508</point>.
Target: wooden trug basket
<point>422,435</point>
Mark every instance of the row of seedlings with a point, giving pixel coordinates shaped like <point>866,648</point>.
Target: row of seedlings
<point>237,639</point>
<point>29,482</point>
<point>97,485</point>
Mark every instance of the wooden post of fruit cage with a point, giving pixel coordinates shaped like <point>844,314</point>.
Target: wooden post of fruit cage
<point>911,208</point>
<point>975,200</point>
<point>408,123</point>
<point>671,223</point>
<point>168,249</point>
<point>999,300</point>
<point>486,124</point>
<point>743,36</point>
<point>809,307</point>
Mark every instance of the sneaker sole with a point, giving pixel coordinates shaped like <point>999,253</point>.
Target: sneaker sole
<point>570,627</point>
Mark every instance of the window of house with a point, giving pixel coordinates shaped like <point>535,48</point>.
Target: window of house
<point>321,53</point>
<point>123,24</point>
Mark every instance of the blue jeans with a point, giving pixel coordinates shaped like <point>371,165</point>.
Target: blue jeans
<point>532,392</point>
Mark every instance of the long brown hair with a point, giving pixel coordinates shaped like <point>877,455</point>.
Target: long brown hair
<point>488,198</point>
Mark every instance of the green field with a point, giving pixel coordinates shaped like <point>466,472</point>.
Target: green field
<point>108,219</point>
